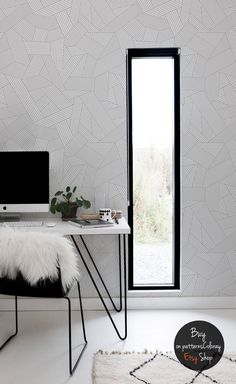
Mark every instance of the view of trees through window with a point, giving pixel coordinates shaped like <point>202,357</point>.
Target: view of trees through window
<point>152,195</point>
<point>152,216</point>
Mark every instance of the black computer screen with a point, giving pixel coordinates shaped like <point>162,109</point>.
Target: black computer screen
<point>24,177</point>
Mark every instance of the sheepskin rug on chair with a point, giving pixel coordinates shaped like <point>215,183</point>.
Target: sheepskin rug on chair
<point>37,256</point>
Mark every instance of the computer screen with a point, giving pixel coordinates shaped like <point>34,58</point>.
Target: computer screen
<point>24,181</point>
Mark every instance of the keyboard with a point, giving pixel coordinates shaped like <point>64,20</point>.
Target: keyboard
<point>22,223</point>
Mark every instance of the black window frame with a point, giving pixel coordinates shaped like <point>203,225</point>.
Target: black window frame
<point>175,54</point>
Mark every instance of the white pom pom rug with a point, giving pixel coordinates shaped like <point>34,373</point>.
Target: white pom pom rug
<point>158,368</point>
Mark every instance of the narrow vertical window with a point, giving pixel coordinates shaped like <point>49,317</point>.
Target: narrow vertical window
<point>153,109</point>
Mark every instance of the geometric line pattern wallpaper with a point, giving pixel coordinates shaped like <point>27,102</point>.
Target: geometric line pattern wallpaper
<point>63,89</point>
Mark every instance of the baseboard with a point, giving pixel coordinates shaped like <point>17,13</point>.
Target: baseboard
<point>31,304</point>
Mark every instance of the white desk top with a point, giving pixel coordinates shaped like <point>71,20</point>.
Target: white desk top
<point>65,228</point>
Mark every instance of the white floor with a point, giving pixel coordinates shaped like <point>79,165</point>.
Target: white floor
<point>38,355</point>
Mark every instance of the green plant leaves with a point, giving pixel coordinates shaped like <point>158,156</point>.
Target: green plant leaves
<point>58,207</point>
<point>66,201</point>
<point>68,196</point>
<point>53,209</point>
<point>86,204</point>
<point>65,208</point>
<point>79,202</point>
<point>53,201</point>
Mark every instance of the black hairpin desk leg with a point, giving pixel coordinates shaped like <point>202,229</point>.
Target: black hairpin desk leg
<point>100,277</point>
<point>117,309</point>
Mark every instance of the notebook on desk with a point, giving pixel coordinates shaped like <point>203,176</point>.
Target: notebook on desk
<point>93,223</point>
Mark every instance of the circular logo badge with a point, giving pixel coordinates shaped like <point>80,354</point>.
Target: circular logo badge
<point>199,345</point>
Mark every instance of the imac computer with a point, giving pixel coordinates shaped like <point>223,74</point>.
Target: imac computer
<point>24,182</point>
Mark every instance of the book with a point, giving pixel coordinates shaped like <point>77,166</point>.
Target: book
<point>116,214</point>
<point>92,223</point>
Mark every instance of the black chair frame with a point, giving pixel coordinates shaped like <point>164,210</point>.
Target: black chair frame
<point>44,289</point>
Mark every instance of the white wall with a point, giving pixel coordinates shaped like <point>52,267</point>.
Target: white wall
<point>63,89</point>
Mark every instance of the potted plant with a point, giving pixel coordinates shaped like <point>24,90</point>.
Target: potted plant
<point>67,203</point>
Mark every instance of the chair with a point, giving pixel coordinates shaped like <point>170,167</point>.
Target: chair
<point>37,264</point>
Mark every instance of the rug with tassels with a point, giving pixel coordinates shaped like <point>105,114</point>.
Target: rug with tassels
<point>157,368</point>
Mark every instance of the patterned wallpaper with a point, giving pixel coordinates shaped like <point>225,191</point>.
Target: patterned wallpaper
<point>62,89</point>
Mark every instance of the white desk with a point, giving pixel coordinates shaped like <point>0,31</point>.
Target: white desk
<point>121,230</point>
<point>65,228</point>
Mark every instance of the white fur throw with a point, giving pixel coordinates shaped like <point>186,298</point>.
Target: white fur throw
<point>37,255</point>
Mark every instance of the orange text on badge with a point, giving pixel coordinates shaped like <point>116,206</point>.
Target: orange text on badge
<point>191,358</point>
